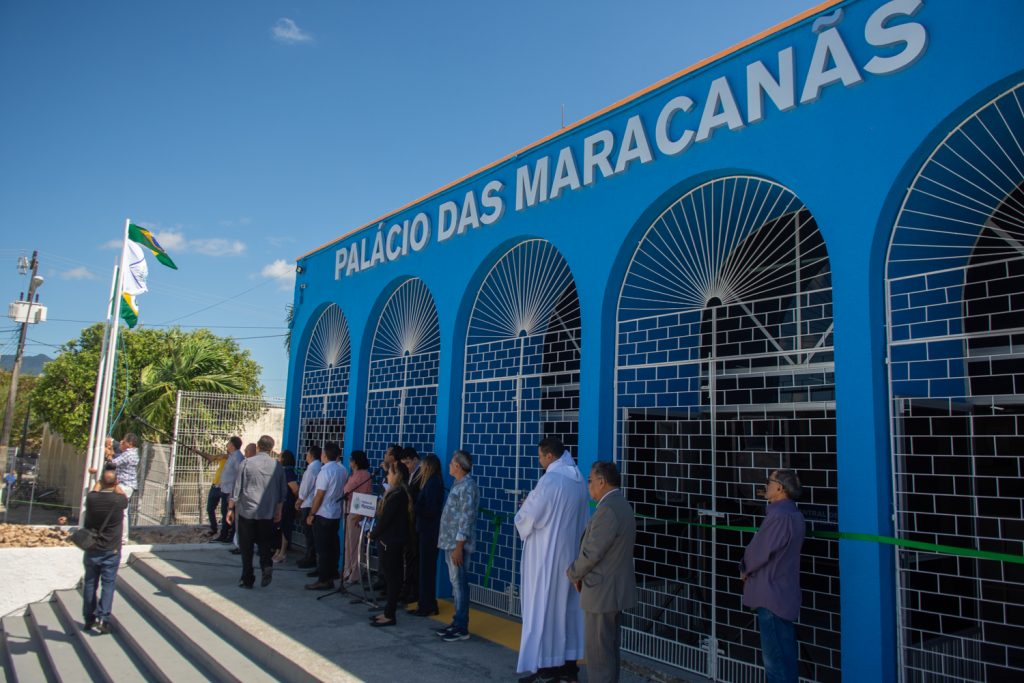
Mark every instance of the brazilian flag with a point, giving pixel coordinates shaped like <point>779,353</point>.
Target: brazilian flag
<point>145,238</point>
<point>129,309</point>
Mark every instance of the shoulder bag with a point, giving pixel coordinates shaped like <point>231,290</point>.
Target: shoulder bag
<point>86,539</point>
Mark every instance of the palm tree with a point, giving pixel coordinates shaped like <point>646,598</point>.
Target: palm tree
<point>194,363</point>
<point>289,318</point>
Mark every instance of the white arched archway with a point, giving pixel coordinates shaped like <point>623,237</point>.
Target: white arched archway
<point>724,372</point>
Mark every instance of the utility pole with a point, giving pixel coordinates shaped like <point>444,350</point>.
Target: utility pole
<point>21,311</point>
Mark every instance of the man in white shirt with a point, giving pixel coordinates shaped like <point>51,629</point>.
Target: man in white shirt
<point>307,489</point>
<point>325,516</point>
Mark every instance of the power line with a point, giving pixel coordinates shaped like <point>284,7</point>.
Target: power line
<point>214,305</point>
<point>42,343</point>
<point>233,327</point>
<point>265,336</point>
<point>183,292</point>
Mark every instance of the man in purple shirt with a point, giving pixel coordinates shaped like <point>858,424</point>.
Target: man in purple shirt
<point>771,576</point>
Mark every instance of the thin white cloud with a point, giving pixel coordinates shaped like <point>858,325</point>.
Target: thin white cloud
<point>288,32</point>
<point>175,241</point>
<point>279,241</point>
<point>171,240</point>
<point>79,273</point>
<point>215,246</point>
<point>283,272</point>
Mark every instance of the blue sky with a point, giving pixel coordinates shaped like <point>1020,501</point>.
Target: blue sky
<point>247,133</point>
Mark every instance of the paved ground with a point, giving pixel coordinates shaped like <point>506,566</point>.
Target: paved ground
<point>338,630</point>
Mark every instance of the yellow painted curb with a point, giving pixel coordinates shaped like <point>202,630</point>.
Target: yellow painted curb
<point>500,630</point>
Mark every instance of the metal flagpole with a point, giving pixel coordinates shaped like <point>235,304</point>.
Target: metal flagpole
<point>95,458</point>
<point>112,349</point>
<point>86,477</point>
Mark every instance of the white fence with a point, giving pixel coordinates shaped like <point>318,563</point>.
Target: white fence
<point>202,427</point>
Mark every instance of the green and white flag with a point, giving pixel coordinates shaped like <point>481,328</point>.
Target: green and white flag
<point>133,282</point>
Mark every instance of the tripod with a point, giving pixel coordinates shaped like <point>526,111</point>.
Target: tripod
<point>366,574</point>
<point>341,590</point>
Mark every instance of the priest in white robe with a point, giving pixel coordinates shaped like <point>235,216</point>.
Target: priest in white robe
<point>551,523</point>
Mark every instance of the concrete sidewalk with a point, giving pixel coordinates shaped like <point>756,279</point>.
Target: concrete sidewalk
<point>337,634</point>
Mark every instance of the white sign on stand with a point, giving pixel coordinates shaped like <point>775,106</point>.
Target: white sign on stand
<point>363,504</point>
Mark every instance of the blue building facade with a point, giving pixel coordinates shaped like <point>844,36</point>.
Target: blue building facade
<point>807,252</point>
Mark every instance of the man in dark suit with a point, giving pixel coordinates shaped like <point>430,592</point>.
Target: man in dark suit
<point>603,572</point>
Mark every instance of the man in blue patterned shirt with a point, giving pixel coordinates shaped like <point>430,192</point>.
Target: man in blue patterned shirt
<point>127,464</point>
<point>458,520</point>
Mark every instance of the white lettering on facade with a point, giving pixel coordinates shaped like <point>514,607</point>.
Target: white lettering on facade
<point>899,43</point>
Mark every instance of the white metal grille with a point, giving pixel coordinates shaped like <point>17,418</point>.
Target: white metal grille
<point>955,301</point>
<point>401,403</point>
<point>203,424</point>
<point>521,384</point>
<point>324,397</point>
<point>725,372</point>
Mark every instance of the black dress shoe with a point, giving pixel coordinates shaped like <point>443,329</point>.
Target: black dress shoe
<point>379,624</point>
<point>236,551</point>
<point>268,574</point>
<point>423,612</point>
<point>242,583</point>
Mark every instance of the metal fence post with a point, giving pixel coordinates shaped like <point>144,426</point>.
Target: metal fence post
<point>168,511</point>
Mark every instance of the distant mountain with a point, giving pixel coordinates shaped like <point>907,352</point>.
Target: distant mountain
<point>30,365</point>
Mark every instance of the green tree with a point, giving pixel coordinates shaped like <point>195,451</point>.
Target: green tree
<point>197,363</point>
<point>64,393</point>
<point>21,408</point>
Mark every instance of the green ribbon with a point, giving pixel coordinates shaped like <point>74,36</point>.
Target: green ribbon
<point>870,538</point>
<point>496,521</point>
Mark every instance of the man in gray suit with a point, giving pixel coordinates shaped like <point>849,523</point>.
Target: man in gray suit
<point>603,572</point>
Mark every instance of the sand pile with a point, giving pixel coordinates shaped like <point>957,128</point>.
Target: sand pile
<point>21,536</point>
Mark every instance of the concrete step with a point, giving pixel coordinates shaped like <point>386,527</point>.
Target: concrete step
<point>196,638</point>
<point>4,676</point>
<point>264,654</point>
<point>110,655</point>
<point>25,661</point>
<point>164,659</point>
<point>64,655</point>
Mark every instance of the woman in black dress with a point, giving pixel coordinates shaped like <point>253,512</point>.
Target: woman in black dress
<point>391,531</point>
<point>284,536</point>
<point>428,506</point>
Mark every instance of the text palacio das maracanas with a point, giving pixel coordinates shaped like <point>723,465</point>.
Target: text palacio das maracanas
<point>676,129</point>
